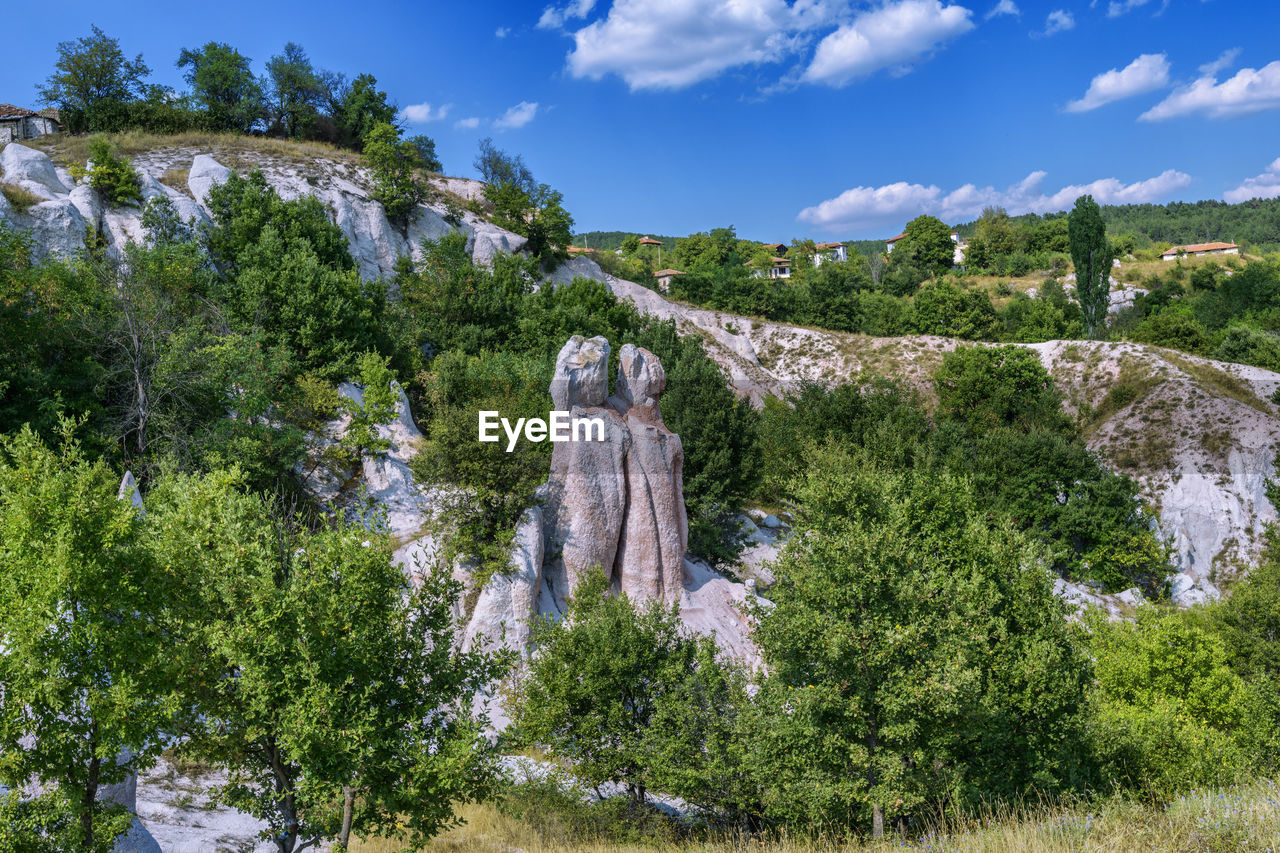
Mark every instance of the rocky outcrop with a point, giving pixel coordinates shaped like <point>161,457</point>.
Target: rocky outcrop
<point>1199,438</point>
<point>58,223</point>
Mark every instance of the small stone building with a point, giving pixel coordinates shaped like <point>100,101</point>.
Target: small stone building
<point>17,123</point>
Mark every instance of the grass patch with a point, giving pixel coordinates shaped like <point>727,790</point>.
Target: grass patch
<point>1240,818</point>
<point>68,150</point>
<point>1222,382</point>
<point>21,199</point>
<point>176,179</point>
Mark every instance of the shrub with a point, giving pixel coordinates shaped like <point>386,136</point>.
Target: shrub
<point>113,177</point>
<point>394,164</point>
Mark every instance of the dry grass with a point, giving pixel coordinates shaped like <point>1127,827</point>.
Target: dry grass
<point>67,150</point>
<point>176,179</point>
<point>19,197</point>
<point>1244,818</point>
<point>1219,381</point>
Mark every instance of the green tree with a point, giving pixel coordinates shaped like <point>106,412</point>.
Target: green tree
<point>89,657</point>
<point>294,90</point>
<point>112,176</point>
<point>361,108</point>
<point>594,687</point>
<point>1171,713</point>
<point>1091,254</point>
<point>223,84</point>
<point>916,655</point>
<point>927,244</point>
<point>329,686</point>
<point>394,164</point>
<point>93,81</point>
<point>989,387</point>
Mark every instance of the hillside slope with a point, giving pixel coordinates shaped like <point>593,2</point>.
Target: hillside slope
<point>1198,435</point>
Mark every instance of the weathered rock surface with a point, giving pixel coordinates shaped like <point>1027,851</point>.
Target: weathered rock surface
<point>375,244</point>
<point>1199,439</point>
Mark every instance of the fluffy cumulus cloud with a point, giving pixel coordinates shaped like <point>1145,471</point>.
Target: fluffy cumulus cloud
<point>1249,91</point>
<point>1004,7</point>
<point>1266,185</point>
<point>1059,21</point>
<point>1145,74</point>
<point>466,123</point>
<point>518,116</point>
<point>554,17</point>
<point>891,36</point>
<point>423,113</point>
<point>671,44</point>
<point>889,206</point>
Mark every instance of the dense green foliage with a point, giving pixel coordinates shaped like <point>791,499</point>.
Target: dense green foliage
<point>98,89</point>
<point>112,176</point>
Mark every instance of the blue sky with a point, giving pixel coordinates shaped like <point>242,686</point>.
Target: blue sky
<point>809,118</point>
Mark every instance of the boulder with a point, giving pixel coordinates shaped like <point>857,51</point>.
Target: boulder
<point>85,199</point>
<point>204,173</point>
<point>508,601</point>
<point>582,374</point>
<point>641,378</point>
<point>32,170</point>
<point>56,227</point>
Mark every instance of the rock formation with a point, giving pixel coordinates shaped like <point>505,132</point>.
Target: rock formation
<point>57,223</point>
<point>616,504</point>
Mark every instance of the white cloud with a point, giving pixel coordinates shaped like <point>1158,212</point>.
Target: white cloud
<point>1266,185</point>
<point>891,205</point>
<point>671,44</point>
<point>423,113</point>
<point>553,18</point>
<point>892,35</point>
<point>1004,7</point>
<point>1249,91</point>
<point>469,122</point>
<point>1119,7</point>
<point>518,116</point>
<point>1222,63</point>
<point>1059,20</point>
<point>1146,73</point>
<point>501,32</point>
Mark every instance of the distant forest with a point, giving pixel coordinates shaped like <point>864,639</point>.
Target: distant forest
<point>1254,223</point>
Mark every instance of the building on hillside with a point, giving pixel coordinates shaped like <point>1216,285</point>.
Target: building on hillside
<point>778,249</point>
<point>829,252</point>
<point>961,246</point>
<point>663,278</point>
<point>574,251</point>
<point>649,241</point>
<point>1195,250</point>
<point>17,123</point>
<point>778,268</point>
<point>892,241</point>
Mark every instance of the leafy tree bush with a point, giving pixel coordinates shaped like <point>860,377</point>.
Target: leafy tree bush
<point>1168,720</point>
<point>224,86</point>
<point>917,656</point>
<point>601,678</point>
<point>1176,328</point>
<point>394,164</point>
<point>329,686</point>
<point>989,387</point>
<point>89,659</point>
<point>926,243</point>
<point>93,82</point>
<point>942,308</point>
<point>113,177</point>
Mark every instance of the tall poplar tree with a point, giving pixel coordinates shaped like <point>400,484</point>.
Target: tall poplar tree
<point>1091,254</point>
